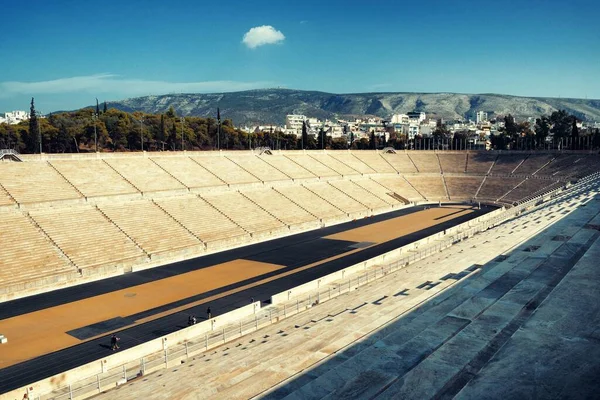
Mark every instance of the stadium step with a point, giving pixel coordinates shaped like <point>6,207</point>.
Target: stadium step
<point>505,296</point>
<point>448,369</point>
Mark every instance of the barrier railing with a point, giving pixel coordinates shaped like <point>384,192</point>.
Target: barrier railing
<point>175,354</point>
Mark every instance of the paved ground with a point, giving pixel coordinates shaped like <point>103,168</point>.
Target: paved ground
<point>52,332</point>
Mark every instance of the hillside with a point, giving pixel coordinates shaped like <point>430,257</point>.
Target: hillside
<point>272,105</point>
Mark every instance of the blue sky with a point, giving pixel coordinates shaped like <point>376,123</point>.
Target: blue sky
<point>67,52</point>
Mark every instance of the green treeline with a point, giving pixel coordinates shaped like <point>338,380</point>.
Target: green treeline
<point>114,130</point>
<point>557,130</point>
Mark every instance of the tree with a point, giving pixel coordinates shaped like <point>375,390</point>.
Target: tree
<point>441,130</point>
<point>162,132</point>
<point>321,138</point>
<point>339,143</point>
<point>172,139</point>
<point>324,141</point>
<point>542,129</point>
<point>304,143</point>
<point>362,144</point>
<point>499,142</point>
<point>510,126</point>
<point>574,135</point>
<point>33,140</point>
<point>97,107</point>
<point>574,129</point>
<point>171,112</point>
<point>440,133</point>
<point>118,132</point>
<point>460,140</point>
<point>373,141</point>
<point>10,138</point>
<point>561,124</point>
<point>104,108</point>
<point>596,139</point>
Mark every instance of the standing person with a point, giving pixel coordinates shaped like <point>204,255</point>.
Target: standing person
<point>208,313</point>
<point>114,342</point>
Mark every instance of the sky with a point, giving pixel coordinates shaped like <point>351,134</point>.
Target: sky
<point>66,53</point>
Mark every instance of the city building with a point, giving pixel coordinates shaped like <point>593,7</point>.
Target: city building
<point>399,119</point>
<point>413,130</point>
<point>293,124</point>
<point>14,117</point>
<point>416,116</point>
<point>482,117</point>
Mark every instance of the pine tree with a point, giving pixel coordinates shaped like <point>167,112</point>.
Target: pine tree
<point>304,135</point>
<point>373,141</point>
<point>574,135</point>
<point>34,130</point>
<point>104,108</point>
<point>97,107</point>
<point>322,138</point>
<point>172,139</point>
<point>162,133</point>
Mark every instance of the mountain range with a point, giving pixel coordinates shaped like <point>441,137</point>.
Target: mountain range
<point>266,106</point>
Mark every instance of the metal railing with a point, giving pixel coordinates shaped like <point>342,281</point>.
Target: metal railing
<point>175,354</point>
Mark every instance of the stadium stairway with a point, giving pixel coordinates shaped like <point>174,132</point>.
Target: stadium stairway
<point>479,188</point>
<point>420,332</point>
<point>413,187</point>
<point>445,187</point>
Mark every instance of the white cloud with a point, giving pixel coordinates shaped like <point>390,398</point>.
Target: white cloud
<point>261,35</point>
<point>116,86</point>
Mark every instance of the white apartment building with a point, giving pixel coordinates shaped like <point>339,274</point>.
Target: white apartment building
<point>14,117</point>
<point>293,124</point>
<point>400,119</point>
<point>413,130</point>
<point>482,117</point>
<point>416,116</point>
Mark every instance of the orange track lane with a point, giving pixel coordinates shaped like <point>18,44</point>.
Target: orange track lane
<point>44,331</point>
<point>393,228</point>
